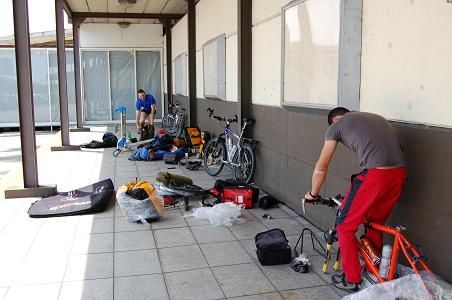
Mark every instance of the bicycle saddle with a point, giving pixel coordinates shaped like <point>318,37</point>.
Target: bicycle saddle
<point>249,121</point>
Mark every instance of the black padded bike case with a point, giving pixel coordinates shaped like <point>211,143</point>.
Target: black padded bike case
<point>272,247</point>
<point>89,199</point>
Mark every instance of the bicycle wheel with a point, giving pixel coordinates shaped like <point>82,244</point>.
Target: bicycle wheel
<point>247,164</point>
<point>168,124</point>
<point>214,155</point>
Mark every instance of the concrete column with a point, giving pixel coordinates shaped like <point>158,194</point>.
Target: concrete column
<point>192,61</point>
<point>244,55</point>
<point>62,80</point>
<point>169,65</point>
<point>25,94</point>
<point>78,89</point>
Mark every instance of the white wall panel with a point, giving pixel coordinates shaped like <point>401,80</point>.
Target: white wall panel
<point>231,68</point>
<point>180,38</point>
<point>213,18</point>
<point>111,36</point>
<point>406,60</point>
<point>199,79</point>
<point>266,65</point>
<point>265,9</point>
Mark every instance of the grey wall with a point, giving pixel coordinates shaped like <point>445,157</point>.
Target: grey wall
<point>290,141</point>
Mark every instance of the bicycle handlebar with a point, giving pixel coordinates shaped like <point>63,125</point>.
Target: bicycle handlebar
<point>211,115</point>
<point>330,201</point>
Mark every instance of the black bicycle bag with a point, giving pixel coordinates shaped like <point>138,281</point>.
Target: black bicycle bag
<point>272,247</point>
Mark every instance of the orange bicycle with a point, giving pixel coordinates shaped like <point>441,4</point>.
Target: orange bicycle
<point>413,254</point>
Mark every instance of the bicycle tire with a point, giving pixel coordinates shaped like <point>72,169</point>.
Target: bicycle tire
<point>247,159</point>
<point>215,151</point>
<point>168,124</point>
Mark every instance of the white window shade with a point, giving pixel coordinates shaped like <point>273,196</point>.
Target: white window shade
<point>180,74</point>
<point>214,71</point>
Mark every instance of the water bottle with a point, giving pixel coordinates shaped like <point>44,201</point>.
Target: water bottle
<point>228,143</point>
<point>370,250</point>
<point>385,261</point>
<point>233,150</point>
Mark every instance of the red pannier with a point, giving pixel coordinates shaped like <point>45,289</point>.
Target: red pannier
<point>235,191</point>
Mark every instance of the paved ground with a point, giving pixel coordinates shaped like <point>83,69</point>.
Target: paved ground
<point>102,256</point>
<point>10,154</point>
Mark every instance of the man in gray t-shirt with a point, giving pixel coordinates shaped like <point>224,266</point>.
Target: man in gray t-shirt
<point>373,192</point>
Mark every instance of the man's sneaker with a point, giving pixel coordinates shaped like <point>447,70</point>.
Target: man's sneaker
<point>340,283</point>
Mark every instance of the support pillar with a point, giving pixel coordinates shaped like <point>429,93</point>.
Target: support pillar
<point>78,89</point>
<point>244,51</point>
<point>169,65</point>
<point>192,61</point>
<point>31,186</point>
<point>62,78</point>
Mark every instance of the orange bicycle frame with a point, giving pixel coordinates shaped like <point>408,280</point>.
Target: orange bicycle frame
<point>400,242</point>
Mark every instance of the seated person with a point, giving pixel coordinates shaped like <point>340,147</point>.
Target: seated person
<point>146,109</point>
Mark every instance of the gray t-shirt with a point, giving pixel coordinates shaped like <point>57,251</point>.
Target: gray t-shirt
<point>371,136</point>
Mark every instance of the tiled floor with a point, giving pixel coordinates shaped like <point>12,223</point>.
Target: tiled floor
<point>102,256</point>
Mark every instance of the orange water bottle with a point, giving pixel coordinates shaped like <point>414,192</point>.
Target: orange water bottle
<point>372,253</point>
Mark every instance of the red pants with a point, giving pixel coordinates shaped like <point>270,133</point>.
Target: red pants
<point>372,196</point>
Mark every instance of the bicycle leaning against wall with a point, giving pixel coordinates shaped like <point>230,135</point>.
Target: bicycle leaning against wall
<point>173,121</point>
<point>223,150</point>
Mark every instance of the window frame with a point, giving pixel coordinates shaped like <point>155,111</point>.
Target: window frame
<point>221,67</point>
<point>349,57</point>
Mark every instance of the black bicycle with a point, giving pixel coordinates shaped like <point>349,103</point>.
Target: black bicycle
<point>223,150</point>
<point>173,121</point>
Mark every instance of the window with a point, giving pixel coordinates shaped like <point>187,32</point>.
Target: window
<point>214,70</point>
<point>180,75</point>
<point>318,69</point>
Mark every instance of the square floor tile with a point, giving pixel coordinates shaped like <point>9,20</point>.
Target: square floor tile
<point>93,243</point>
<point>284,278</point>
<point>134,240</point>
<point>275,213</point>
<point>34,270</point>
<point>140,262</point>
<point>99,289</point>
<point>41,291</point>
<point>181,258</point>
<point>173,237</point>
<point>314,293</point>
<point>211,234</point>
<point>194,284</point>
<point>141,287</point>
<point>242,280</point>
<point>290,226</point>
<point>316,265</point>
<point>122,225</point>
<point>250,247</point>
<point>225,253</point>
<point>191,221</point>
<point>269,296</point>
<point>247,230</point>
<point>95,225</point>
<point>171,219</point>
<point>3,292</point>
<point>89,266</point>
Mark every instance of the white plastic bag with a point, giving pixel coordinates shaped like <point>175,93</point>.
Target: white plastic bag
<point>223,214</point>
<point>410,287</point>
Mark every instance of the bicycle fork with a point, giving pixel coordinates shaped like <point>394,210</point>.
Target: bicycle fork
<point>330,239</point>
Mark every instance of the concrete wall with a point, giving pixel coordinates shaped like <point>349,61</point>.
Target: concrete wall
<point>397,58</point>
<point>112,36</point>
<point>406,61</point>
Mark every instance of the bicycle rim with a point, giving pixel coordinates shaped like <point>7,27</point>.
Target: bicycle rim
<point>213,157</point>
<point>168,124</point>
<point>247,160</point>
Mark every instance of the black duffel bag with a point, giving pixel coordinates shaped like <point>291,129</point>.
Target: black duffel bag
<point>272,247</point>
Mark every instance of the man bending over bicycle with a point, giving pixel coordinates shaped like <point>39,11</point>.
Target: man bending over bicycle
<point>373,192</point>
<point>146,108</point>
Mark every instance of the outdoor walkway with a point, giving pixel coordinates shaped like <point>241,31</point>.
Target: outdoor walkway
<point>102,256</point>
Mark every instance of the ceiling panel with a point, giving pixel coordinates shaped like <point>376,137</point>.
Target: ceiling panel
<point>175,7</point>
<point>100,20</point>
<point>97,5</point>
<point>155,6</point>
<point>78,5</point>
<point>114,7</point>
<point>138,7</point>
